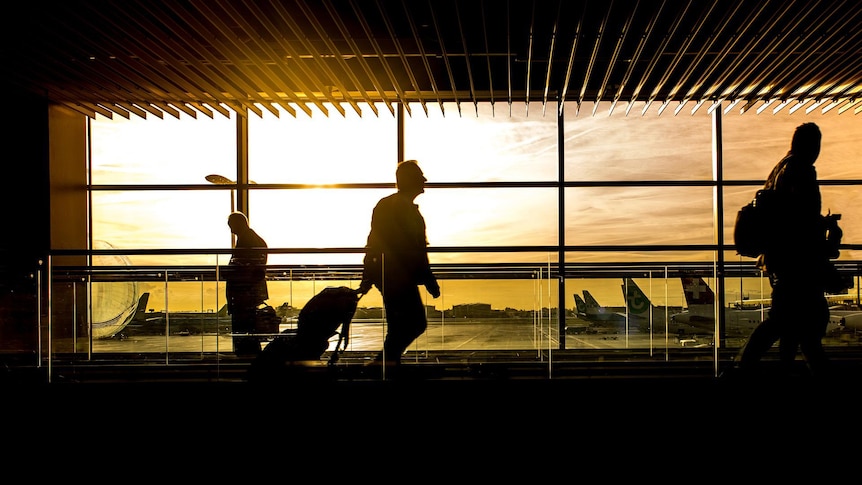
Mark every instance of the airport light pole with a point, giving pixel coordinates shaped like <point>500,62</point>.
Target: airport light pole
<point>222,180</point>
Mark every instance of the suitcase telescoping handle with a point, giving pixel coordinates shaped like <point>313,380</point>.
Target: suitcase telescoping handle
<point>344,334</point>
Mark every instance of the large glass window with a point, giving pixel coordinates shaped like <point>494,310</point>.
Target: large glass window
<point>613,146</point>
<point>162,151</point>
<point>491,206</point>
<point>490,146</point>
<point>322,149</point>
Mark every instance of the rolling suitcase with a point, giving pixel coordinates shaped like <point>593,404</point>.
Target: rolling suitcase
<point>318,321</point>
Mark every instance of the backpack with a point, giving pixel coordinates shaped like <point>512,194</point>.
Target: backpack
<point>752,230</point>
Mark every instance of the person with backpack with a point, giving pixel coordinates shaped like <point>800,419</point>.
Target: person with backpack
<point>245,287</point>
<point>396,262</point>
<point>796,261</point>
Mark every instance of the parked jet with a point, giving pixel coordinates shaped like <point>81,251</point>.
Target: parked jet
<point>114,326</point>
<point>700,311</point>
<point>638,314</point>
<point>640,307</point>
<point>845,319</point>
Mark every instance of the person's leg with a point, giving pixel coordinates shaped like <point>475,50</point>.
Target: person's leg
<point>405,318</point>
<point>242,323</point>
<point>758,344</point>
<point>811,337</point>
<point>788,346</point>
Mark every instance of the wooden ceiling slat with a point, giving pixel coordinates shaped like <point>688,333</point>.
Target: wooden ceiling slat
<point>79,108</point>
<point>149,62</point>
<point>820,64</point>
<point>722,86</point>
<point>264,80</point>
<point>167,108</point>
<point>339,60</point>
<point>403,57</point>
<point>706,48</point>
<point>140,113</point>
<point>849,105</point>
<point>647,34</point>
<point>138,57</point>
<point>192,52</point>
<point>547,85</point>
<point>681,54</point>
<point>322,84</point>
<point>802,49</point>
<point>360,59</point>
<point>594,55</point>
<point>571,62</point>
<point>467,56</point>
<point>378,51</point>
<point>487,53</point>
<point>298,65</point>
<point>189,64</point>
<point>94,69</point>
<point>445,55</point>
<point>275,58</point>
<point>332,79</point>
<point>423,56</point>
<point>657,56</point>
<point>612,63</point>
<point>528,77</point>
<point>150,109</point>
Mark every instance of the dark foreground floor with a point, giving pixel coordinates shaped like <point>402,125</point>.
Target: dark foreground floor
<point>496,429</point>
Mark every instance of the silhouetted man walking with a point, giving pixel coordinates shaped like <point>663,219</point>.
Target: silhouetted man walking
<point>796,262</point>
<point>246,283</point>
<point>396,261</point>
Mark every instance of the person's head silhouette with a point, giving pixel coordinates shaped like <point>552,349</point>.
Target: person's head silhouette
<point>806,141</point>
<point>238,222</point>
<point>409,178</point>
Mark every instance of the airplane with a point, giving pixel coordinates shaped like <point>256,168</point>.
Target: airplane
<point>601,314</point>
<point>700,311</point>
<point>639,313</point>
<point>598,318</point>
<point>115,326</point>
<point>646,313</point>
<point>845,319</point>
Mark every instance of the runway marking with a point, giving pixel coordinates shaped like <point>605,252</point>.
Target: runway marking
<point>588,344</point>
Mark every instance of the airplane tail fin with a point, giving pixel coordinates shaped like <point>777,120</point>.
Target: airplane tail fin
<point>697,292</point>
<point>591,303</point>
<point>142,303</point>
<point>580,305</point>
<point>636,300</point>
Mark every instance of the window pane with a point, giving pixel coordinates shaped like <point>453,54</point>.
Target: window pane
<point>162,151</point>
<point>454,217</point>
<point>321,149</point>
<point>634,146</point>
<point>162,219</point>
<point>314,218</point>
<point>639,215</point>
<point>490,216</point>
<point>753,144</point>
<point>490,146</point>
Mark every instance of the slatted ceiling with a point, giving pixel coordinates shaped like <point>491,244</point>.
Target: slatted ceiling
<point>140,58</point>
<point>330,77</point>
<point>422,56</point>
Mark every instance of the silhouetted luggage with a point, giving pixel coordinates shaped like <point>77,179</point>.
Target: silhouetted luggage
<point>266,322</point>
<point>318,321</point>
<point>753,228</point>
